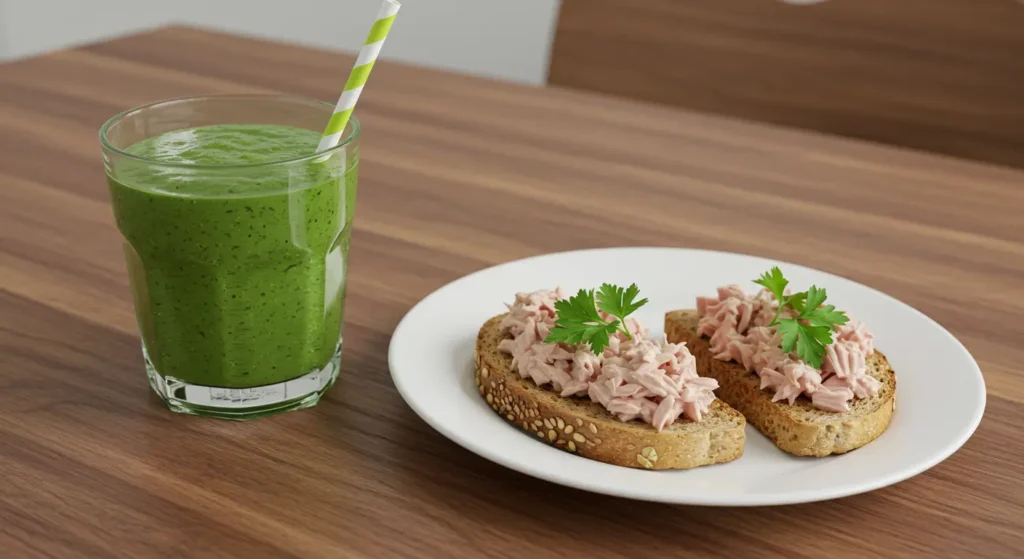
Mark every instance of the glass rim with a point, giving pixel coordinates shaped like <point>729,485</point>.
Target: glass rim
<point>353,126</point>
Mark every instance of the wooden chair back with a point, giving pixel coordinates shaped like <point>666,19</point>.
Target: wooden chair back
<point>940,75</point>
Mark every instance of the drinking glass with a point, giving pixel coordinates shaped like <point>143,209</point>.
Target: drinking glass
<point>237,260</point>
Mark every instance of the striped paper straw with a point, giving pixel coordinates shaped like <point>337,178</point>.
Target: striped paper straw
<point>360,72</point>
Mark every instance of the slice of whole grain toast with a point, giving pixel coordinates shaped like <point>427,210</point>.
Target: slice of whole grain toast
<point>584,427</point>
<point>798,428</point>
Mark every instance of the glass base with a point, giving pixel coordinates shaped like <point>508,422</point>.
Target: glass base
<point>243,403</point>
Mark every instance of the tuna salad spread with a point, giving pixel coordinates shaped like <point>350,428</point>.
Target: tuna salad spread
<point>739,328</point>
<point>633,377</point>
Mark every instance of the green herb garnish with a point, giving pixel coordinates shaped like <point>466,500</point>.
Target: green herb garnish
<point>579,322</point>
<point>811,330</point>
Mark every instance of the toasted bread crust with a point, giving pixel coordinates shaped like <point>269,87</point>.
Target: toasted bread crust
<point>799,428</point>
<point>583,427</point>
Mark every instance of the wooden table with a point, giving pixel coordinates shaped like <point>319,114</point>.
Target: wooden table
<point>458,174</point>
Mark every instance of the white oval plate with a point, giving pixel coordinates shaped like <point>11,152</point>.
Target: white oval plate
<point>432,365</point>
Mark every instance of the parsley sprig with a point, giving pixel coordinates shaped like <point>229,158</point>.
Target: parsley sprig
<point>810,331</point>
<point>579,322</point>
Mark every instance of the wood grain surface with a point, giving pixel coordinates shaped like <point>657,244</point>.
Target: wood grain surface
<point>460,173</point>
<point>940,75</point>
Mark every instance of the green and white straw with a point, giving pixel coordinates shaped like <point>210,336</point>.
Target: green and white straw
<point>360,72</point>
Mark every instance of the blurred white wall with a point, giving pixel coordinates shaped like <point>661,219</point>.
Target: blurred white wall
<point>508,39</point>
<point>30,27</point>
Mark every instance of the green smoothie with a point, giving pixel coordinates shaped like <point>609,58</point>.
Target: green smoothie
<point>238,266</point>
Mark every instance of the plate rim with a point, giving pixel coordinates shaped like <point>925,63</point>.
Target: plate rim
<point>809,496</point>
